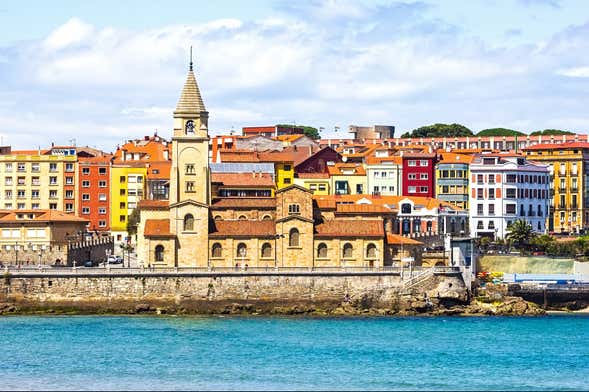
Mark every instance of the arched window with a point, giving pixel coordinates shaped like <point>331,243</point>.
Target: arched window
<point>322,250</point>
<point>159,253</point>
<point>241,250</point>
<point>218,217</point>
<point>189,127</point>
<point>266,250</point>
<point>216,250</point>
<point>406,208</point>
<point>188,222</point>
<point>293,237</point>
<point>348,250</point>
<point>266,217</point>
<point>242,217</point>
<point>371,251</point>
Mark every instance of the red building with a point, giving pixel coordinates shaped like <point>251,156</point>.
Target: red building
<point>419,174</point>
<point>94,191</point>
<point>273,130</point>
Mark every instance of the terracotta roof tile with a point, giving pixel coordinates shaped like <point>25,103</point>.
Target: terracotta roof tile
<point>350,228</point>
<point>339,168</point>
<point>243,228</point>
<point>395,239</point>
<point>243,180</point>
<point>313,175</point>
<point>158,204</point>
<point>157,228</point>
<point>558,146</point>
<point>39,216</point>
<point>162,170</point>
<point>244,202</point>
<point>362,209</point>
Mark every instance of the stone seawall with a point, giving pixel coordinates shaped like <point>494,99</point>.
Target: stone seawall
<point>382,293</point>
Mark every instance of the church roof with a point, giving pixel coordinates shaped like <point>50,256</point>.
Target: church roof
<point>157,228</point>
<point>190,100</point>
<point>350,228</point>
<point>241,228</point>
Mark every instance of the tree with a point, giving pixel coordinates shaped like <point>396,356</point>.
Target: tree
<point>439,130</point>
<point>551,132</point>
<point>133,222</point>
<point>543,243</point>
<point>311,132</point>
<point>500,132</point>
<point>521,233</point>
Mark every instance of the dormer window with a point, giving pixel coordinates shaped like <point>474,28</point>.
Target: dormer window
<point>189,127</point>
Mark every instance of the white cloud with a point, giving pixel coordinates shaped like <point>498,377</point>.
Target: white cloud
<point>578,72</point>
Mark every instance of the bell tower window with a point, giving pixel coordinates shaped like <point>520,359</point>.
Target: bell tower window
<point>189,127</point>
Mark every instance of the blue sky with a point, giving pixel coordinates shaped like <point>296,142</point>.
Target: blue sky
<point>107,71</point>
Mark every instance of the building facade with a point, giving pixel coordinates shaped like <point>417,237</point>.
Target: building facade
<point>452,179</point>
<point>505,188</point>
<point>94,198</point>
<point>418,174</point>
<point>569,184</point>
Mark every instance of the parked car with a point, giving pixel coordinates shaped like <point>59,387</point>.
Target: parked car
<point>88,263</point>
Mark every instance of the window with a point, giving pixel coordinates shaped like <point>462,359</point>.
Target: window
<point>423,176</point>
<point>21,194</point>
<point>8,167</point>
<point>510,209</point>
<point>68,194</point>
<point>8,180</point>
<point>52,180</point>
<point>35,181</point>
<point>8,194</point>
<point>266,217</point>
<point>218,217</point>
<point>406,208</point>
<point>412,189</point>
<point>69,180</point>
<point>85,196</point>
<point>102,196</point>
<point>53,194</point>
<point>241,250</point>
<point>53,206</point>
<point>69,167</point>
<point>102,210</point>
<point>491,178</point>
<point>412,176</point>
<point>53,167</point>
<point>348,251</point>
<point>102,184</point>
<point>480,209</point>
<point>287,180</point>
<point>491,209</point>
<point>359,189</point>
<point>85,210</point>
<point>22,206</point>
<point>294,209</point>
<point>266,250</point>
<point>21,180</point>
<point>216,250</point>
<point>102,223</point>
<point>21,167</point>
<point>189,186</point>
<point>322,251</point>
<point>480,225</point>
<point>480,193</point>
<point>122,205</point>
<point>122,192</point>
<point>492,193</point>
<point>159,253</point>
<point>85,171</point>
<point>139,179</point>
<point>510,193</point>
<point>102,171</point>
<point>287,168</point>
<point>371,251</point>
<point>189,127</point>
<point>511,178</point>
<point>491,225</point>
<point>35,168</point>
<point>423,163</point>
<point>35,206</point>
<point>412,163</point>
<point>122,218</point>
<point>445,189</point>
<point>69,207</point>
<point>423,189</point>
<point>293,237</point>
<point>242,217</point>
<point>189,168</point>
<point>122,179</point>
<point>188,222</point>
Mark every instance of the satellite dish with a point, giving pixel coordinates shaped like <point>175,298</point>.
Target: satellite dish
<point>345,158</point>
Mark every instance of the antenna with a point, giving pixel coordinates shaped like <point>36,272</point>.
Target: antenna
<point>190,58</point>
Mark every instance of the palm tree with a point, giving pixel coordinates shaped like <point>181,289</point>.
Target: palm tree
<point>520,233</point>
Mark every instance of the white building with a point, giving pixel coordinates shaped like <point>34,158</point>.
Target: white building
<point>383,173</point>
<point>505,188</point>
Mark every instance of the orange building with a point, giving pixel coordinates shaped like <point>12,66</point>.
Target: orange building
<point>94,191</point>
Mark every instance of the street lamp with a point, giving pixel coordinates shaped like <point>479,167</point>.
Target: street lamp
<point>107,263</point>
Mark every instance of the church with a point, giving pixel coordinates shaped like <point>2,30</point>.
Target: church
<point>255,225</point>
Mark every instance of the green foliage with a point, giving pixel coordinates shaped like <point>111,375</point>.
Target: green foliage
<point>499,132</point>
<point>551,132</point>
<point>439,130</point>
<point>133,222</point>
<point>520,234</point>
<point>311,132</point>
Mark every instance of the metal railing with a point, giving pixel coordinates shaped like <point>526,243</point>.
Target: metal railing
<point>59,271</point>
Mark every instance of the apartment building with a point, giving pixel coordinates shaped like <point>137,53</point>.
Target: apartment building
<point>93,188</point>
<point>505,188</point>
<point>126,189</point>
<point>38,179</point>
<point>384,173</point>
<point>452,178</point>
<point>569,184</point>
<point>418,176</point>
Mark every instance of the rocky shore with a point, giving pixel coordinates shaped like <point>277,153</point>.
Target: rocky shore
<point>404,305</point>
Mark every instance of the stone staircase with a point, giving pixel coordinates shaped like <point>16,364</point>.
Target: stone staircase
<point>422,279</point>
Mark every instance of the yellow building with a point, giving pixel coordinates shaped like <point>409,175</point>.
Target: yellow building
<point>452,178</point>
<point>318,183</point>
<point>569,205</point>
<point>348,178</point>
<point>39,179</point>
<point>127,188</point>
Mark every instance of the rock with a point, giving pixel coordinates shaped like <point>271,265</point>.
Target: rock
<point>142,308</point>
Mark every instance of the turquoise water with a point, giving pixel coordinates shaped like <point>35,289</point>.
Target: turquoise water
<point>87,352</point>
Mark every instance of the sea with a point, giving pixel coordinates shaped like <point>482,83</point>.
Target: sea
<point>294,353</point>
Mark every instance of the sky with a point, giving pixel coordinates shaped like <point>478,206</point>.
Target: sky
<point>104,72</point>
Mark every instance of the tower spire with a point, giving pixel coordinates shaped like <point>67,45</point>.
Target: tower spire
<point>190,58</point>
